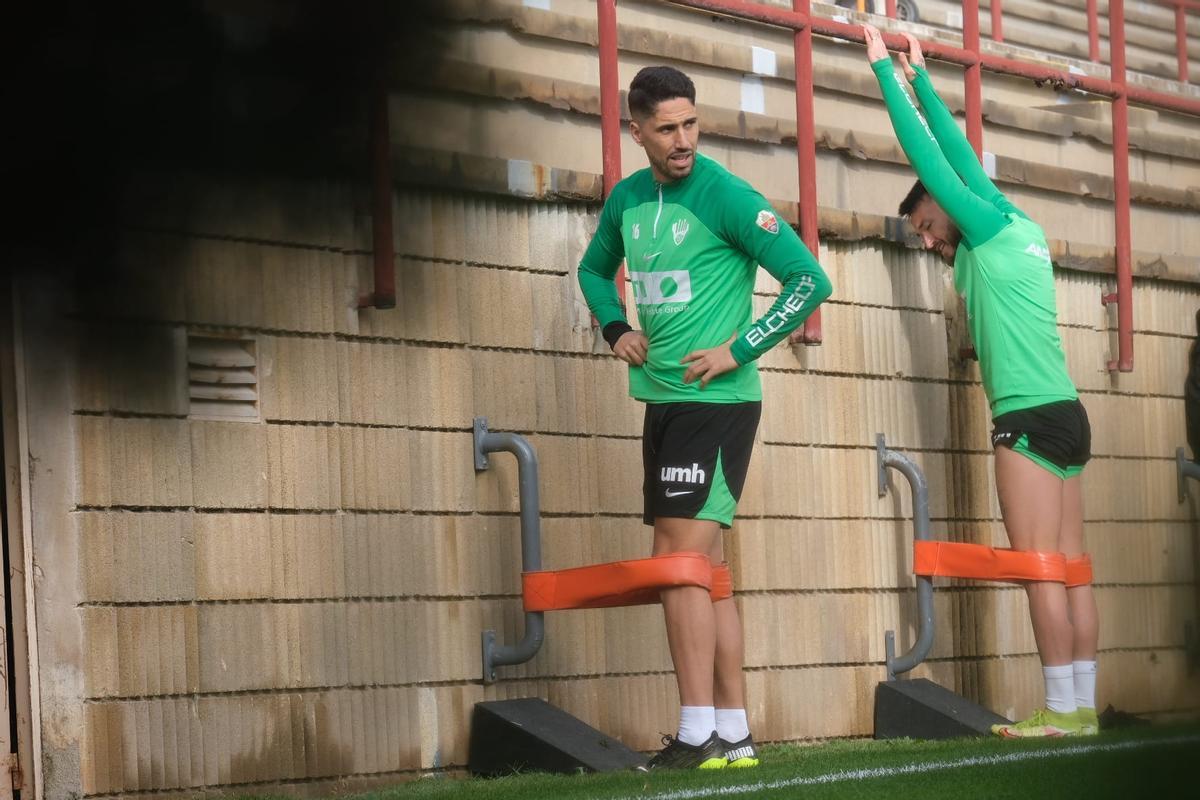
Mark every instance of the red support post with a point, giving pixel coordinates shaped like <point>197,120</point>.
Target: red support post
<point>610,107</point>
<point>610,93</point>
<point>972,79</point>
<point>383,293</point>
<point>997,20</point>
<point>1181,53</point>
<point>1093,16</point>
<point>806,154</point>
<point>1120,151</point>
<point>890,8</point>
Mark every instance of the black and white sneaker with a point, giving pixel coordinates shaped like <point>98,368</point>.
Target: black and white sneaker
<point>740,754</point>
<point>680,755</point>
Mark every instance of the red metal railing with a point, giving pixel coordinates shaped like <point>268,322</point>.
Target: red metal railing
<point>610,108</point>
<point>799,20</point>
<point>1182,7</point>
<point>1181,54</point>
<point>1093,16</point>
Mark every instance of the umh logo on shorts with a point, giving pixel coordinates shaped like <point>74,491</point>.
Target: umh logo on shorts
<point>692,474</point>
<point>656,288</point>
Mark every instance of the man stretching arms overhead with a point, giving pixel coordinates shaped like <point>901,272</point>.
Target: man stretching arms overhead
<point>1041,436</point>
<point>694,236</point>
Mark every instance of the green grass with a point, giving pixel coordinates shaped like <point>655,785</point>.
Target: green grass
<point>1157,762</point>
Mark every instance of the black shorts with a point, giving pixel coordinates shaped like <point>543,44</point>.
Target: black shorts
<point>695,457</point>
<point>1056,436</point>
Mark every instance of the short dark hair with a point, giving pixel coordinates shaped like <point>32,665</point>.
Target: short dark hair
<point>652,85</point>
<point>915,195</point>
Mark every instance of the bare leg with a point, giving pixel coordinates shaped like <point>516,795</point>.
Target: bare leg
<point>1031,502</point>
<point>729,685</point>
<point>690,618</point>
<point>1080,599</point>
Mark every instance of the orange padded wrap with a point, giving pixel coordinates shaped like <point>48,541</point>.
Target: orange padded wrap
<point>1079,571</point>
<point>619,583</point>
<point>722,583</point>
<point>955,560</point>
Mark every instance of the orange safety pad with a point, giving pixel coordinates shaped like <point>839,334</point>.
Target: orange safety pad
<point>1079,571</point>
<point>722,583</point>
<point>977,561</point>
<point>619,583</point>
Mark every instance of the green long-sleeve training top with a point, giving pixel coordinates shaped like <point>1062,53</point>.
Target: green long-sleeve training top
<point>1002,267</point>
<point>693,247</point>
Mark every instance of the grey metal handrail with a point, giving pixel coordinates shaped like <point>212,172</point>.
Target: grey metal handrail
<point>1185,468</point>
<point>498,655</point>
<point>921,532</point>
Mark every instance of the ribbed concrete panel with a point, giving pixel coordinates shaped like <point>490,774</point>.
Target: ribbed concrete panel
<point>299,379</point>
<point>138,556</point>
<point>133,462</point>
<point>131,368</point>
<point>434,305</point>
<point>234,555</point>
<point>824,409</point>
<point>872,341</point>
<point>373,383</point>
<point>304,467</point>
<point>308,556</point>
<point>140,650</point>
<point>807,555</point>
<point>229,464</point>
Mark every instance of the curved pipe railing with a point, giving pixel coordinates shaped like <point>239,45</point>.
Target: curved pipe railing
<point>499,655</point>
<point>1185,468</point>
<point>922,533</point>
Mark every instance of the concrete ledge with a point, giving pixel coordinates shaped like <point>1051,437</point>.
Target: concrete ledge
<point>494,82</point>
<point>445,170</point>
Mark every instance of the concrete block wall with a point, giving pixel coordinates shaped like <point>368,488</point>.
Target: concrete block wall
<point>298,600</point>
<point>295,602</point>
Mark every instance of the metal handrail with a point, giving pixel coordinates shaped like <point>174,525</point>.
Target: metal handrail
<point>922,533</point>
<point>1185,468</point>
<point>498,655</point>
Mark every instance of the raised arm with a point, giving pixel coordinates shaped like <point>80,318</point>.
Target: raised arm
<point>949,136</point>
<point>977,219</point>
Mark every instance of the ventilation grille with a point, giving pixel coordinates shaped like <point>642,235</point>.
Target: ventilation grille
<point>222,377</point>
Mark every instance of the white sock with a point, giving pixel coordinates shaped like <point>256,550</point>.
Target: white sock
<point>696,724</point>
<point>1060,688</point>
<point>1085,683</point>
<point>732,725</point>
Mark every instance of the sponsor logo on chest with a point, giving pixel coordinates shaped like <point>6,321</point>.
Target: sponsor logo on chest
<point>666,286</point>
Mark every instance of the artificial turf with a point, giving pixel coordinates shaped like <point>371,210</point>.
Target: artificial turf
<point>1160,762</point>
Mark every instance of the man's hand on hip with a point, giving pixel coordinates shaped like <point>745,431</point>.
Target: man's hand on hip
<point>709,363</point>
<point>632,348</point>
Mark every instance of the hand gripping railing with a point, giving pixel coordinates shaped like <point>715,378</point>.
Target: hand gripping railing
<point>498,655</point>
<point>1185,468</point>
<point>921,532</point>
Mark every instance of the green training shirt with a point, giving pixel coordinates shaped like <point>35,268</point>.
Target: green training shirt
<point>692,248</point>
<point>1002,267</point>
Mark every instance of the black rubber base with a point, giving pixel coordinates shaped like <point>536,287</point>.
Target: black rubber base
<point>920,709</point>
<point>531,735</point>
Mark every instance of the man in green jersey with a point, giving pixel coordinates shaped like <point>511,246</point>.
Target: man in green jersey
<point>1041,435</point>
<point>693,236</point>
